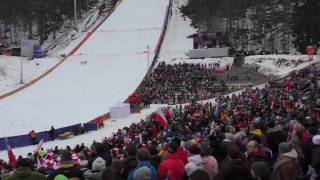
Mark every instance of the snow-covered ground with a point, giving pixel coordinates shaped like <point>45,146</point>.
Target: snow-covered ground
<point>104,71</point>
<point>176,43</point>
<point>279,65</point>
<point>10,70</point>
<point>10,66</point>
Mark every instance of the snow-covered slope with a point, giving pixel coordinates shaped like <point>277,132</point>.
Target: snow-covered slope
<point>279,65</point>
<point>10,71</point>
<point>104,71</point>
<point>176,45</point>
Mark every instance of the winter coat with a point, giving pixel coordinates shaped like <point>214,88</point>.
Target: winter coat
<point>128,165</point>
<point>210,165</point>
<point>182,154</point>
<point>103,151</point>
<point>155,160</point>
<point>141,164</point>
<point>258,156</point>
<point>316,159</point>
<point>194,163</point>
<point>24,173</point>
<point>234,169</point>
<point>69,170</point>
<point>172,168</point>
<point>285,168</point>
<point>274,137</point>
<point>92,175</point>
<point>196,159</point>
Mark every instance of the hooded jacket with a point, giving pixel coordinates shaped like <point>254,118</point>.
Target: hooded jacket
<point>286,167</point>
<point>142,164</point>
<point>172,168</point>
<point>210,165</point>
<point>182,154</point>
<point>25,173</point>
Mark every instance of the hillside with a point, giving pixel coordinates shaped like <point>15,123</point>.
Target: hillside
<point>259,26</point>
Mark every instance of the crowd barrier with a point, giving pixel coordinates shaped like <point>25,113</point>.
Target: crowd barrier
<point>25,140</point>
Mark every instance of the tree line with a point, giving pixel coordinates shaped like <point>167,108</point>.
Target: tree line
<point>270,25</point>
<point>37,19</point>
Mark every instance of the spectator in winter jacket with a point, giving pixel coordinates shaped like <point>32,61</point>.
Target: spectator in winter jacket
<point>24,172</point>
<point>181,153</point>
<point>235,169</point>
<point>194,160</point>
<point>260,171</point>
<point>96,173</point>
<point>109,174</point>
<point>100,150</point>
<point>130,162</point>
<point>172,168</point>
<point>209,164</point>
<point>316,154</point>
<point>199,174</point>
<point>67,167</point>
<point>144,169</point>
<point>255,153</point>
<point>286,166</point>
<point>155,159</point>
<point>33,136</point>
<point>52,133</point>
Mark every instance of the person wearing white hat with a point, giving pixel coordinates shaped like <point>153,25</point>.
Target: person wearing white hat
<point>316,154</point>
<point>97,166</point>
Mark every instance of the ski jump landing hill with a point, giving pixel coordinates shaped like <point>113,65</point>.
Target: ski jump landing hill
<point>104,69</point>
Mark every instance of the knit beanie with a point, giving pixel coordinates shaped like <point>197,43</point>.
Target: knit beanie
<point>143,173</point>
<point>98,164</point>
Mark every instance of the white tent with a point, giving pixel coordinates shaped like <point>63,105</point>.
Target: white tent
<point>119,111</point>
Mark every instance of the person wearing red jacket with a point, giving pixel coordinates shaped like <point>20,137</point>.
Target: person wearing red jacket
<point>172,168</point>
<point>181,153</point>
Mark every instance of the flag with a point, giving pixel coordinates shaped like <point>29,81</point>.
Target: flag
<point>39,146</point>
<point>39,163</point>
<point>169,113</point>
<point>159,116</point>
<point>12,156</point>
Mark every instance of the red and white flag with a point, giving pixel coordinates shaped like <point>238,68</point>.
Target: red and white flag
<point>159,116</point>
<point>12,156</point>
<point>39,162</point>
<point>39,146</point>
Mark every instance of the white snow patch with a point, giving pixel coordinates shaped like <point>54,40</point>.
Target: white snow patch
<point>267,64</point>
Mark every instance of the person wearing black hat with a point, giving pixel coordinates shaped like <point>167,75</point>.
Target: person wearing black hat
<point>24,171</point>
<point>172,167</point>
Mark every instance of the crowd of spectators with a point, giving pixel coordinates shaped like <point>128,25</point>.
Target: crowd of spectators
<point>272,133</point>
<point>178,83</point>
